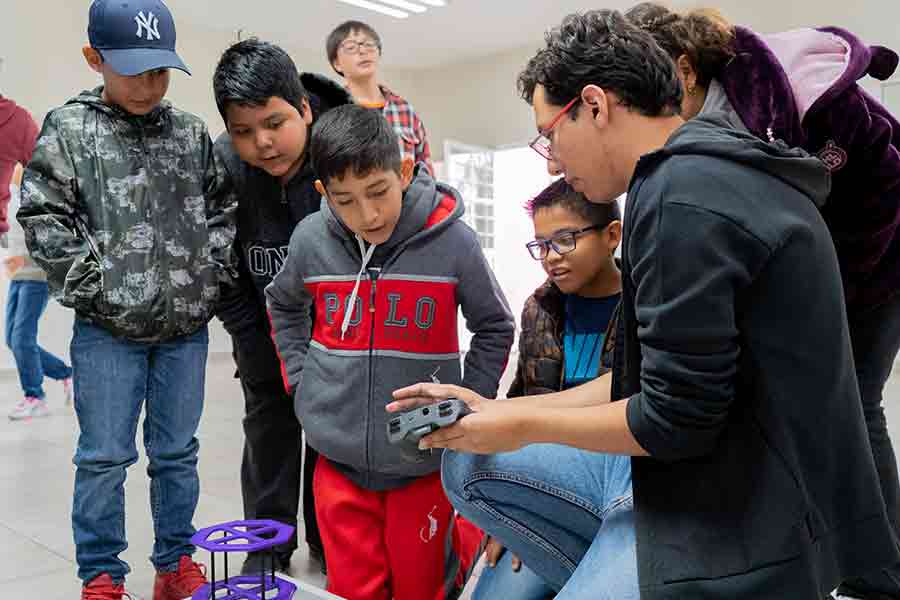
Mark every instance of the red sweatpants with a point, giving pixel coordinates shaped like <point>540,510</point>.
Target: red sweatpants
<point>405,544</point>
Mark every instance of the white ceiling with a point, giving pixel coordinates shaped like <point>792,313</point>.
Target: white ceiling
<point>462,30</point>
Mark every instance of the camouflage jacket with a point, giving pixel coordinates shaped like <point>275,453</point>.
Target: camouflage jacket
<point>541,366</point>
<point>131,217</point>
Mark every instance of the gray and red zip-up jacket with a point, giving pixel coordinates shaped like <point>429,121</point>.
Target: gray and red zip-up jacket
<point>403,327</point>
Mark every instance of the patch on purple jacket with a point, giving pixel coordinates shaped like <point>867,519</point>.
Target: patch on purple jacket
<point>833,156</point>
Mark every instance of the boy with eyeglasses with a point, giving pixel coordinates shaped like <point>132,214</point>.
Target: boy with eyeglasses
<point>563,329</point>
<point>354,52</point>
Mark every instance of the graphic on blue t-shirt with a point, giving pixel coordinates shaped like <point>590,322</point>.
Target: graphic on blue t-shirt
<point>586,322</point>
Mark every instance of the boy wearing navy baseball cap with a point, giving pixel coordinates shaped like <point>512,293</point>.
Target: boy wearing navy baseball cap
<point>132,45</point>
<point>126,208</point>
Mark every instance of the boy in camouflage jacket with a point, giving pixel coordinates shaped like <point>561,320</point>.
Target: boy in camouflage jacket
<point>127,210</point>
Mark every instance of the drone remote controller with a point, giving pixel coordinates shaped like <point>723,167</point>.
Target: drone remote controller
<point>415,424</point>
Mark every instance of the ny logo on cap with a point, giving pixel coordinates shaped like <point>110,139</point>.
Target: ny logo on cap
<point>149,23</point>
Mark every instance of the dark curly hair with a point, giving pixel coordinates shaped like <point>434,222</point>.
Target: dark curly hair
<point>560,193</point>
<point>602,48</point>
<point>703,35</point>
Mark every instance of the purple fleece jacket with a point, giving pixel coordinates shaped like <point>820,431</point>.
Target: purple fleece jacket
<point>857,138</point>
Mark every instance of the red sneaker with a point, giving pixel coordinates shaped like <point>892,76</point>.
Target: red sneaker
<point>180,584</point>
<point>103,588</point>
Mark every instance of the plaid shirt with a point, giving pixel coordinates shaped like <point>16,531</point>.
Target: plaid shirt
<point>408,127</point>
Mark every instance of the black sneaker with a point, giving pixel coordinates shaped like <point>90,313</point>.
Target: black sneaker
<point>317,554</point>
<point>257,562</point>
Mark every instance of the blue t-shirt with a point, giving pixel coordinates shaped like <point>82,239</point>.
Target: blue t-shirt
<point>585,329</point>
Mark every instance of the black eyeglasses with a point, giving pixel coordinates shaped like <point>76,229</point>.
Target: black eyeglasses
<point>562,243</point>
<point>353,46</point>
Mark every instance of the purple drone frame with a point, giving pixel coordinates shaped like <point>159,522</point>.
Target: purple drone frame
<point>247,587</point>
<point>244,536</point>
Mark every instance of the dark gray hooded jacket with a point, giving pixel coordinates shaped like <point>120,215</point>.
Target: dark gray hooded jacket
<point>343,366</point>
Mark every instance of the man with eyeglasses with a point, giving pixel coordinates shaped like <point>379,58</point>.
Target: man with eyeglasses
<point>733,387</point>
<point>354,52</point>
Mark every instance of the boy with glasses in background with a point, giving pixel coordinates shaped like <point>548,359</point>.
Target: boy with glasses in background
<point>354,52</point>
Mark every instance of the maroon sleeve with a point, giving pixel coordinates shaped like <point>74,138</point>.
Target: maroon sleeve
<point>25,133</point>
<point>30,133</point>
<point>4,211</point>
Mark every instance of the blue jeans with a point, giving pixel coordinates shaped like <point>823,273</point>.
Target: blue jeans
<point>567,513</point>
<point>24,306</point>
<point>113,379</point>
<point>502,582</point>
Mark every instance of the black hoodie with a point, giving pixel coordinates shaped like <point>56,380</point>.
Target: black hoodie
<point>736,357</point>
<point>267,214</point>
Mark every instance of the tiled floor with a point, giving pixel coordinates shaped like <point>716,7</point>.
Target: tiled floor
<point>36,474</point>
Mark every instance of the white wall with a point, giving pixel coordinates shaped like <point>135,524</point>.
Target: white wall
<point>474,102</point>
<point>519,175</point>
<point>892,98</point>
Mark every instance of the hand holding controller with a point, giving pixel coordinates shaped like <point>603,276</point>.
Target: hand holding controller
<point>415,424</point>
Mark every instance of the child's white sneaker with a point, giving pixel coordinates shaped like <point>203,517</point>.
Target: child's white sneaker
<point>29,408</point>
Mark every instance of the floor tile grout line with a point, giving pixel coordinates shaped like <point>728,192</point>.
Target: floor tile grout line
<point>16,579</point>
